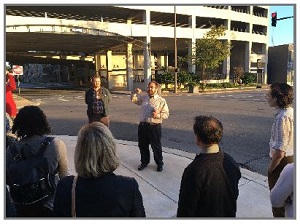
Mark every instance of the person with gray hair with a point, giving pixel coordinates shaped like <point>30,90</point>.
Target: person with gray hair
<point>97,191</point>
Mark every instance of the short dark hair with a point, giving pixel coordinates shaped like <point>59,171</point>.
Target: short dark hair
<point>283,93</point>
<point>95,77</point>
<point>208,129</point>
<point>30,121</point>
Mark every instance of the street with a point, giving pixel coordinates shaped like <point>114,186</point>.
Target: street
<point>245,115</point>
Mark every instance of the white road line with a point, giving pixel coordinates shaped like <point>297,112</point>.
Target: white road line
<point>61,99</point>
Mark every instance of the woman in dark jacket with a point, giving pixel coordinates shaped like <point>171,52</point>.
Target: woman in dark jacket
<point>98,191</point>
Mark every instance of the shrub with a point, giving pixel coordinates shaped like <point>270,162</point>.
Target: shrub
<point>248,78</point>
<point>228,85</point>
<point>165,78</point>
<point>183,77</point>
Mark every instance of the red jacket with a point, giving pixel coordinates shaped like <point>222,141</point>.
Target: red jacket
<point>11,107</point>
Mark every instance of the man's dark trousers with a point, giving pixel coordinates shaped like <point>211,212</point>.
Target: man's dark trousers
<point>150,134</point>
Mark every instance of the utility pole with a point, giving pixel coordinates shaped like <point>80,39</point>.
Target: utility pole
<point>175,52</point>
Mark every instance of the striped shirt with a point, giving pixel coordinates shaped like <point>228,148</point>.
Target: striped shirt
<point>148,105</point>
<point>282,133</point>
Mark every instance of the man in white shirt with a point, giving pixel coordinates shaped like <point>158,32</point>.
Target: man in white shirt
<point>154,109</point>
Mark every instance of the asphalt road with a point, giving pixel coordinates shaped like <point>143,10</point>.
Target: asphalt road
<point>245,115</point>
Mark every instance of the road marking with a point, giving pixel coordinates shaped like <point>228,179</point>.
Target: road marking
<point>61,99</point>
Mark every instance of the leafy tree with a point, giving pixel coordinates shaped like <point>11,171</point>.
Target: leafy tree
<point>210,51</point>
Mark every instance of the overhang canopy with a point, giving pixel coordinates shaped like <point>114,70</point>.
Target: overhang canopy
<point>29,44</point>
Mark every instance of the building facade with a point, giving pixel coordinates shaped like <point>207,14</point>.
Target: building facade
<point>150,31</point>
<point>281,64</point>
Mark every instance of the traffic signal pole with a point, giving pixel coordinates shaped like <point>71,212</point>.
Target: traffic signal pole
<point>285,18</point>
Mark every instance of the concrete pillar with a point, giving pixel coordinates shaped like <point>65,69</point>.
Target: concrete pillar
<point>166,61</point>
<point>191,51</point>
<point>100,68</point>
<point>191,43</point>
<point>226,68</point>
<point>109,65</point>
<point>147,52</point>
<point>248,56</point>
<point>97,60</point>
<point>129,66</point>
<point>226,63</point>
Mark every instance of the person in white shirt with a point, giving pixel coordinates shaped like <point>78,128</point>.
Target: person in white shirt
<point>154,110</point>
<point>280,96</point>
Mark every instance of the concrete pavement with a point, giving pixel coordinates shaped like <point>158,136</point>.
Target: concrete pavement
<point>161,190</point>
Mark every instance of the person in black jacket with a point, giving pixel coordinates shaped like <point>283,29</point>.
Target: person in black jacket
<point>98,192</point>
<point>97,99</point>
<point>209,185</point>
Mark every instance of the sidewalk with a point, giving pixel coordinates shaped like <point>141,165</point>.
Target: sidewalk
<point>161,190</point>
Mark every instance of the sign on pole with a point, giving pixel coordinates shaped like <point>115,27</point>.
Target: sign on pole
<point>18,70</point>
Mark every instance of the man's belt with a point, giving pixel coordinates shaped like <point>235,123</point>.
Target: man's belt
<point>148,123</point>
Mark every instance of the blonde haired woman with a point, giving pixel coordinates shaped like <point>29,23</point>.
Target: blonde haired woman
<point>98,192</point>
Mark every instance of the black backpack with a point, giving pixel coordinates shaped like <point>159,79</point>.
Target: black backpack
<point>29,177</point>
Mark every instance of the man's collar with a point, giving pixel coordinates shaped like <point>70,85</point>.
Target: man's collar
<point>210,149</point>
<point>154,96</point>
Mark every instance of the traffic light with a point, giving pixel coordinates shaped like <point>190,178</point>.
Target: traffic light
<point>274,18</point>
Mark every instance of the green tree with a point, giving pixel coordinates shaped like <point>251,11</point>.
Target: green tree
<point>210,51</point>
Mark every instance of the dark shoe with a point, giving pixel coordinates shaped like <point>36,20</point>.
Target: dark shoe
<point>159,168</point>
<point>142,166</point>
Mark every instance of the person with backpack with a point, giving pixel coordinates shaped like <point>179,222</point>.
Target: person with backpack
<point>34,164</point>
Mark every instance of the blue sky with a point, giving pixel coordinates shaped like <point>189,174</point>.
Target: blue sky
<point>284,31</point>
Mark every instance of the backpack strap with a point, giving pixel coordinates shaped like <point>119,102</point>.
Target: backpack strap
<point>16,155</point>
<point>45,143</point>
